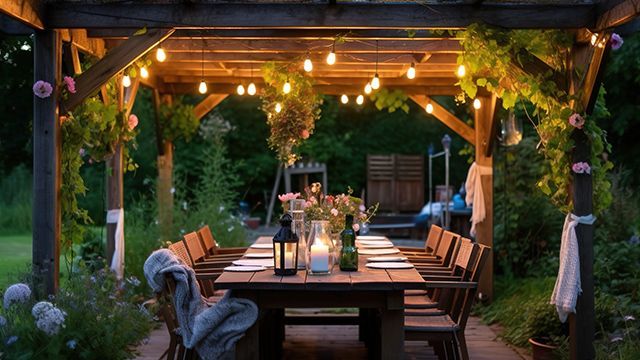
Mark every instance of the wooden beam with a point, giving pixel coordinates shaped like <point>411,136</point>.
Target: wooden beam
<point>617,15</point>
<point>447,118</point>
<point>208,104</point>
<point>495,125</point>
<point>12,26</point>
<point>78,37</point>
<point>75,59</point>
<point>316,57</point>
<point>130,96</point>
<point>321,80</point>
<point>26,11</point>
<point>46,166</point>
<point>393,15</point>
<point>593,77</point>
<point>115,61</point>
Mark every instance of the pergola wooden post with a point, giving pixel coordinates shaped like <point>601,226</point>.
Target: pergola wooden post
<point>165,171</point>
<point>46,164</point>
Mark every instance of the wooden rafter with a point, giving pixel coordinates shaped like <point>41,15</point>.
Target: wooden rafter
<point>115,61</point>
<point>316,57</point>
<point>78,37</point>
<point>26,11</point>
<point>208,104</point>
<point>619,14</point>
<point>447,118</point>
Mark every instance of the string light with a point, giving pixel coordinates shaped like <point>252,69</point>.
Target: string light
<point>331,58</point>
<point>476,104</point>
<point>308,65</point>
<point>286,88</point>
<point>144,73</point>
<point>126,81</point>
<point>278,107</point>
<point>240,90</point>
<point>367,88</point>
<point>411,73</point>
<point>202,88</point>
<point>360,99</point>
<point>344,99</point>
<point>161,56</point>
<point>596,41</point>
<point>429,108</point>
<point>375,82</point>
<point>461,72</point>
<point>251,89</point>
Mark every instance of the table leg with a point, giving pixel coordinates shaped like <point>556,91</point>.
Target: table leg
<point>248,347</point>
<point>392,327</point>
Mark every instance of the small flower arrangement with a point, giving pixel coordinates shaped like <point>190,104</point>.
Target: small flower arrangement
<point>332,208</point>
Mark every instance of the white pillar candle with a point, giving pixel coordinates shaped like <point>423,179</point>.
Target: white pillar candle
<point>319,258</point>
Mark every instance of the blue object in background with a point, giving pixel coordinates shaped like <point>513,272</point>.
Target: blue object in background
<point>244,208</point>
<point>458,202</point>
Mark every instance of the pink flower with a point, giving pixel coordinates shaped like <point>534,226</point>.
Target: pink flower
<point>288,196</point>
<point>81,152</point>
<point>363,216</point>
<point>42,89</point>
<point>356,227</point>
<point>307,204</point>
<point>133,121</point>
<point>581,168</point>
<point>362,208</point>
<point>616,41</point>
<point>304,134</point>
<point>70,84</point>
<point>334,212</point>
<point>329,199</point>
<point>576,121</point>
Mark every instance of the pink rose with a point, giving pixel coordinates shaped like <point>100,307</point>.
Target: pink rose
<point>581,168</point>
<point>304,134</point>
<point>70,84</point>
<point>362,208</point>
<point>576,121</point>
<point>329,199</point>
<point>288,196</point>
<point>307,204</point>
<point>42,89</point>
<point>133,121</point>
<point>616,41</point>
<point>334,212</point>
<point>356,227</point>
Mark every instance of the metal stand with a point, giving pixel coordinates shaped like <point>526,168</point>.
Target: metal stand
<point>446,144</point>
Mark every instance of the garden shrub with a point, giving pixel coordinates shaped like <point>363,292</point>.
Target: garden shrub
<point>15,201</point>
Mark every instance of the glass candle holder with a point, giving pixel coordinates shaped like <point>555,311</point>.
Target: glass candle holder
<point>320,249</point>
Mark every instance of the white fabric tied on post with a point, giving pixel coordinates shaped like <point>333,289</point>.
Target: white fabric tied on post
<point>475,195</point>
<point>116,216</point>
<point>567,288</point>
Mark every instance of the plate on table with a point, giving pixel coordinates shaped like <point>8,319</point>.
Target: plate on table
<point>377,251</point>
<point>261,246</point>
<point>371,237</point>
<point>254,262</point>
<point>390,265</point>
<point>259,255</point>
<point>387,258</point>
<point>376,246</point>
<point>373,242</point>
<point>244,268</point>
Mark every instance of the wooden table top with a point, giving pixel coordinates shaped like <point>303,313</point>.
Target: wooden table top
<point>363,279</point>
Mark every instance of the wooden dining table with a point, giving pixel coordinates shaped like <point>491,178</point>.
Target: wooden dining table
<point>377,292</point>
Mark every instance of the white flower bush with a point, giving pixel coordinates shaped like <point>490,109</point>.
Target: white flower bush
<point>16,294</point>
<point>49,318</point>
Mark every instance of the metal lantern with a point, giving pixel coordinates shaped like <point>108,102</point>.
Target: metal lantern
<point>511,130</point>
<point>285,248</point>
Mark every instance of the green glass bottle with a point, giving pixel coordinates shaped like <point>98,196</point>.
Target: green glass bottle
<point>349,252</point>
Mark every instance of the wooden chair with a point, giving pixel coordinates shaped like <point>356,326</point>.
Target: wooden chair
<point>211,245</point>
<point>430,245</point>
<point>199,256</point>
<point>446,332</point>
<point>205,273</point>
<point>443,254</point>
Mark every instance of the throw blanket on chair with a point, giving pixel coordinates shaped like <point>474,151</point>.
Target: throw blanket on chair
<point>212,331</point>
<point>475,196</point>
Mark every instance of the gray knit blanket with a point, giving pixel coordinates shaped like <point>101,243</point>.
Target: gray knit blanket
<point>212,331</point>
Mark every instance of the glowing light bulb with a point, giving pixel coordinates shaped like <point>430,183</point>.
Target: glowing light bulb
<point>411,73</point>
<point>476,104</point>
<point>240,90</point>
<point>308,65</point>
<point>161,55</point>
<point>251,89</point>
<point>594,39</point>
<point>144,73</point>
<point>360,100</point>
<point>286,88</point>
<point>331,58</point>
<point>278,107</point>
<point>461,72</point>
<point>344,99</point>
<point>202,88</point>
<point>126,81</point>
<point>429,108</point>
<point>367,88</point>
<point>375,82</point>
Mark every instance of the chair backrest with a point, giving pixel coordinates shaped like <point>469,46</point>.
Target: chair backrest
<point>209,242</point>
<point>433,238</point>
<point>194,248</point>
<point>466,296</point>
<point>465,258</point>
<point>180,250</point>
<point>446,246</point>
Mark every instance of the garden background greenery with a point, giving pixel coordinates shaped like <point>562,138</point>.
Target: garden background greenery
<point>229,161</point>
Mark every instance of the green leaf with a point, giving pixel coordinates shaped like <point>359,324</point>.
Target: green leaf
<point>141,31</point>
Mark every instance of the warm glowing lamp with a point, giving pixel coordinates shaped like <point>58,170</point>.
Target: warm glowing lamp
<point>286,88</point>
<point>476,104</point>
<point>251,89</point>
<point>144,73</point>
<point>344,99</point>
<point>308,65</point>
<point>375,82</point>
<point>202,88</point>
<point>367,88</point>
<point>278,107</point>
<point>240,90</point>
<point>161,56</point>
<point>429,108</point>
<point>360,100</point>
<point>126,81</point>
<point>461,72</point>
<point>411,73</point>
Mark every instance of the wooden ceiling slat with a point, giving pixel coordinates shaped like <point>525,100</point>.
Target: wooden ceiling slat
<point>352,80</point>
<point>315,57</point>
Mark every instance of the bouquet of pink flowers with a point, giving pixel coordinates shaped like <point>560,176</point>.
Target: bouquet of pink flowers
<point>332,208</point>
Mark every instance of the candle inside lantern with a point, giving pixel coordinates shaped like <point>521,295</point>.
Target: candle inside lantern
<point>319,258</point>
<point>288,259</point>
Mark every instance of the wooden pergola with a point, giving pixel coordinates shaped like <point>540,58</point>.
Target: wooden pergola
<point>231,41</point>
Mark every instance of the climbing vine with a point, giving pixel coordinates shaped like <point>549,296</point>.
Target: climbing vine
<point>291,116</point>
<point>391,100</point>
<point>494,59</point>
<point>178,120</point>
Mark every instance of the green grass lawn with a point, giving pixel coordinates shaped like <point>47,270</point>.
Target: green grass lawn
<point>15,256</point>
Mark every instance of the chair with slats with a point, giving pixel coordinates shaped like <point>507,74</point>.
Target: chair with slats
<point>205,273</point>
<point>443,254</point>
<point>199,256</point>
<point>430,245</point>
<point>211,245</point>
<point>446,332</point>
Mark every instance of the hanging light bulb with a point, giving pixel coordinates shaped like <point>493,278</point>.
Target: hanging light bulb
<point>461,72</point>
<point>360,99</point>
<point>202,88</point>
<point>251,89</point>
<point>476,104</point>
<point>344,99</point>
<point>161,56</point>
<point>144,73</point>
<point>126,81</point>
<point>375,82</point>
<point>286,88</point>
<point>278,107</point>
<point>331,58</point>
<point>367,88</point>
<point>429,108</point>
<point>308,65</point>
<point>240,90</point>
<point>411,73</point>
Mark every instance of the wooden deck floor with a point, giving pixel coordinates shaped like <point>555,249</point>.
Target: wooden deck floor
<point>341,342</point>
